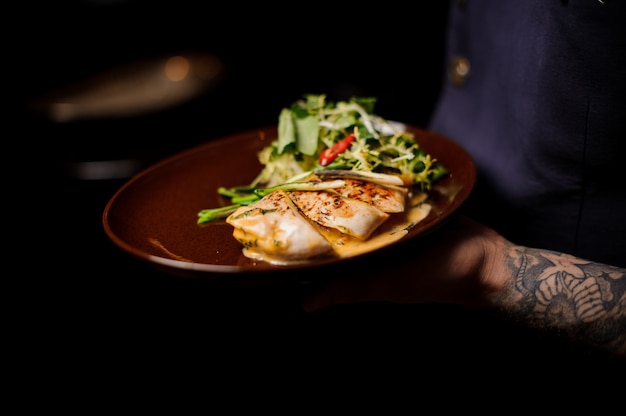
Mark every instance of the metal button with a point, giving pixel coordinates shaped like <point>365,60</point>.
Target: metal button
<point>459,70</point>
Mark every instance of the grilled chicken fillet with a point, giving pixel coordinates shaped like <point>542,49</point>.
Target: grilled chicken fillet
<point>293,225</point>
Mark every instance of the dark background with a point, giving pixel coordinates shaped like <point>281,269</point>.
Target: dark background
<point>94,311</point>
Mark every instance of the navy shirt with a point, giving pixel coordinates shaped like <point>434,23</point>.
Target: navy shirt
<point>536,92</point>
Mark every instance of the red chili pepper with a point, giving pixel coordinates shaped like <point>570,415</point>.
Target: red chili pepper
<point>329,154</point>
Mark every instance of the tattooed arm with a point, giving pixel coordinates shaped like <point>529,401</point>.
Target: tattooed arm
<point>467,263</point>
<point>550,290</point>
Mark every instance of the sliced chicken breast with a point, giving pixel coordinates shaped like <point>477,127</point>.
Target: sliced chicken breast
<point>390,200</point>
<point>349,216</point>
<point>274,230</point>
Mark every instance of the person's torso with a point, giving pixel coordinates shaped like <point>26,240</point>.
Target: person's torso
<point>542,111</point>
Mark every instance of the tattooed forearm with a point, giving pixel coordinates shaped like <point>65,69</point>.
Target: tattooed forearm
<point>551,290</point>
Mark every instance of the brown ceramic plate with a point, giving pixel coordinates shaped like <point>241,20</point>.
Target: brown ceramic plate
<point>153,216</point>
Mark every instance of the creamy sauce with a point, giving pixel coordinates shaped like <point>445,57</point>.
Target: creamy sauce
<point>344,246</point>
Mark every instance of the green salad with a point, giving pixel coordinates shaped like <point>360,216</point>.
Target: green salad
<point>316,135</point>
